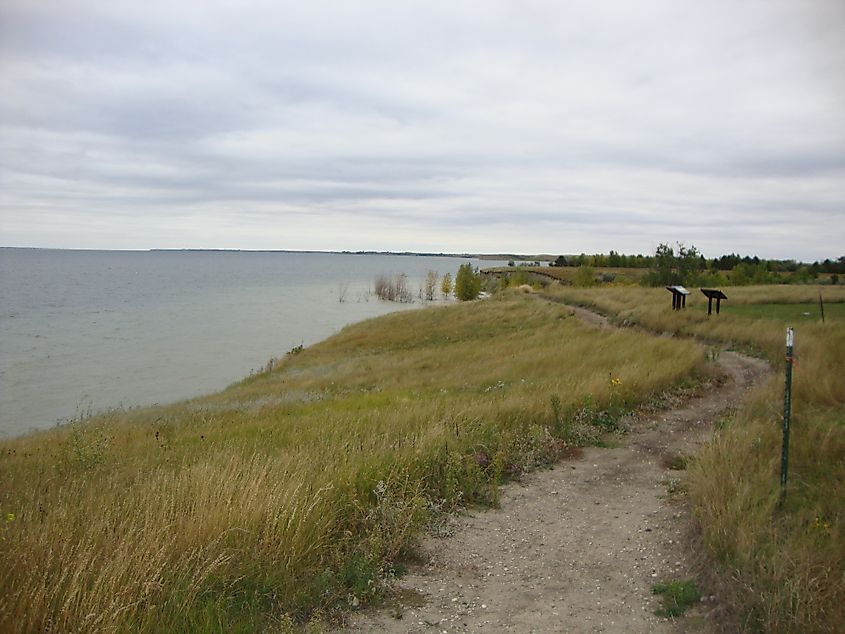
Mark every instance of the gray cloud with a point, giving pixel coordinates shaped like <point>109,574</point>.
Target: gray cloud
<point>487,126</point>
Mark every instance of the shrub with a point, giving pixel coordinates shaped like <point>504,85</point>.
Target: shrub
<point>430,285</point>
<point>393,289</point>
<point>446,285</point>
<point>584,276</point>
<point>467,283</point>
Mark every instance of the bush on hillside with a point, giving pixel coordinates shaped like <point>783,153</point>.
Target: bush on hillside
<point>467,283</point>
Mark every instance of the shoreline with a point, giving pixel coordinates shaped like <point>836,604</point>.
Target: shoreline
<point>113,328</point>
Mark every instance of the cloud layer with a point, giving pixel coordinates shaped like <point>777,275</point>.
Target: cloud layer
<point>461,126</point>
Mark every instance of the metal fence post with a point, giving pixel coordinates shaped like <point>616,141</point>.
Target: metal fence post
<point>787,411</point>
<point>821,305</point>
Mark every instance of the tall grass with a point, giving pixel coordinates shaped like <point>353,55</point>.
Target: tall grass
<point>289,494</point>
<point>784,564</point>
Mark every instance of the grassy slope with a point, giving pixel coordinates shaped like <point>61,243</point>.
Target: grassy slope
<point>786,565</point>
<point>795,314</point>
<point>293,490</point>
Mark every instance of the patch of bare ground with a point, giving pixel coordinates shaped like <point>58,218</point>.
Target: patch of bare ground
<point>575,548</point>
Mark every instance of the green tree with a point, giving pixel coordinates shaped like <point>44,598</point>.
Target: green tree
<point>664,265</point>
<point>741,274</point>
<point>689,263</point>
<point>669,269</point>
<point>467,283</point>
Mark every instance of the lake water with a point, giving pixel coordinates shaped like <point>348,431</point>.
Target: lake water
<point>91,330</point>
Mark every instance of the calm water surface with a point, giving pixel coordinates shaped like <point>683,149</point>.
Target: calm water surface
<point>90,330</point>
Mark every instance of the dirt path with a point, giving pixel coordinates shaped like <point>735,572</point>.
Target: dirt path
<point>575,548</point>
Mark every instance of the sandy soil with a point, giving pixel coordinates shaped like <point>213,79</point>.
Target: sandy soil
<point>575,548</point>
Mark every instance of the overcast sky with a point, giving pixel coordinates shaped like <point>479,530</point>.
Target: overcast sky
<point>483,126</point>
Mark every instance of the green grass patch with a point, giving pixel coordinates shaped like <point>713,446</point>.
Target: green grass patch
<point>678,597</point>
<point>792,314</point>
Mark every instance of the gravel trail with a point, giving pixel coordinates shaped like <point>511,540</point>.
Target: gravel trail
<point>575,548</point>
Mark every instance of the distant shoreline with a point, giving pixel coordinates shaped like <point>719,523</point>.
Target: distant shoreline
<point>477,256</point>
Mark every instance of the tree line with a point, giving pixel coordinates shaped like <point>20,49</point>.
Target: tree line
<point>687,265</point>
<point>722,263</point>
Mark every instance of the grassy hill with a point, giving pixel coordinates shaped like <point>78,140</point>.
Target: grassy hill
<point>296,491</point>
